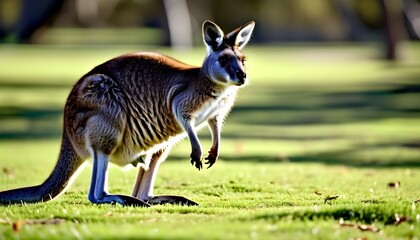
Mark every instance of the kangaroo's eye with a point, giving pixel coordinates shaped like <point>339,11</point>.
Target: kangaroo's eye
<point>223,60</point>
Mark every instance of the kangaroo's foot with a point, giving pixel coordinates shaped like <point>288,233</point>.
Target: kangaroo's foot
<point>170,199</point>
<point>122,200</point>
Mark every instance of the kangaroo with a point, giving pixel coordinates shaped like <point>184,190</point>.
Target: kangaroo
<point>134,108</point>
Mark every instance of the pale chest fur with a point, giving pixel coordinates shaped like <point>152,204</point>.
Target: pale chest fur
<point>219,105</point>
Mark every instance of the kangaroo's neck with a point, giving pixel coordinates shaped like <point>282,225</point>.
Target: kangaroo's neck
<point>208,88</point>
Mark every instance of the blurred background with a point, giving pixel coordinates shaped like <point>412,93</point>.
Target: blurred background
<point>178,22</point>
<point>335,81</point>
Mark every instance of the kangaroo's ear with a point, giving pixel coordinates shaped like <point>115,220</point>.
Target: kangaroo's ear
<point>240,37</point>
<point>212,35</point>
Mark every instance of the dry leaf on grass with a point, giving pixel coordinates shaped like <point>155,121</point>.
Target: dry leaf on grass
<point>400,219</point>
<point>108,214</point>
<point>361,227</point>
<point>368,228</point>
<point>19,223</point>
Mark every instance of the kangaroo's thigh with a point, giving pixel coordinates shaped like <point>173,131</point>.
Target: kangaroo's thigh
<point>102,134</point>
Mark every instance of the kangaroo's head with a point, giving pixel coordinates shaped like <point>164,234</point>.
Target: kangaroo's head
<point>225,62</point>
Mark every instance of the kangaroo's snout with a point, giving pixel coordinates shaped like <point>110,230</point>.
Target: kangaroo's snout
<point>241,77</point>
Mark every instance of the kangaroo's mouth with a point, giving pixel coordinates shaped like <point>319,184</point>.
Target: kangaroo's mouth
<point>239,84</point>
<point>239,81</point>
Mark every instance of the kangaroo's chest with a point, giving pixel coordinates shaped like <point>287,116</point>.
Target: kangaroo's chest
<point>213,107</point>
<point>208,111</point>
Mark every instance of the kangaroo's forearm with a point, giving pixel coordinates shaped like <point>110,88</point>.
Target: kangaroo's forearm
<point>214,126</point>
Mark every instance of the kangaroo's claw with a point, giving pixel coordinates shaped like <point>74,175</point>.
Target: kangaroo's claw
<point>211,159</point>
<point>198,164</point>
<point>196,159</point>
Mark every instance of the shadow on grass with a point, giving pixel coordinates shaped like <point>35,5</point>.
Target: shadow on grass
<point>339,158</point>
<point>324,106</point>
<point>37,123</point>
<point>364,214</point>
<point>34,84</point>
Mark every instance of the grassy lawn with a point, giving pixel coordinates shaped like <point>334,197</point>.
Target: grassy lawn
<point>324,143</point>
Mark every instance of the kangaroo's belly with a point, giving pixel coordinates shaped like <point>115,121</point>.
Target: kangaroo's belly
<point>138,147</point>
<point>130,153</point>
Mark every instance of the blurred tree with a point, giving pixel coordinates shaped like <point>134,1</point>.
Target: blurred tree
<point>22,17</point>
<point>357,30</point>
<point>179,22</point>
<point>300,20</point>
<point>391,17</point>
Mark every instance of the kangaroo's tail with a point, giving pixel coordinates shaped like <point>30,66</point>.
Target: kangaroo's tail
<point>67,165</point>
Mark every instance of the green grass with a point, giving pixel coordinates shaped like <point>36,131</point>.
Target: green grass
<point>315,122</point>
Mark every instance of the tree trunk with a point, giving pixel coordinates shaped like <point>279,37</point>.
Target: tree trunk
<point>391,12</point>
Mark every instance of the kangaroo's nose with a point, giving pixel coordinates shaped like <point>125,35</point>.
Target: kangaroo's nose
<point>241,77</point>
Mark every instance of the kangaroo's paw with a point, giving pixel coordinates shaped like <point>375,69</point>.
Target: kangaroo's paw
<point>196,160</point>
<point>122,200</point>
<point>168,199</point>
<point>211,158</point>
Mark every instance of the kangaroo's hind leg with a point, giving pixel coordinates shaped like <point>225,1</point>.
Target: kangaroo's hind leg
<point>98,192</point>
<point>102,136</point>
<point>143,188</point>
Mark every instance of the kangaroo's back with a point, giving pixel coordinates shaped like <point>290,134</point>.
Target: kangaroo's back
<point>144,76</point>
<point>142,67</point>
